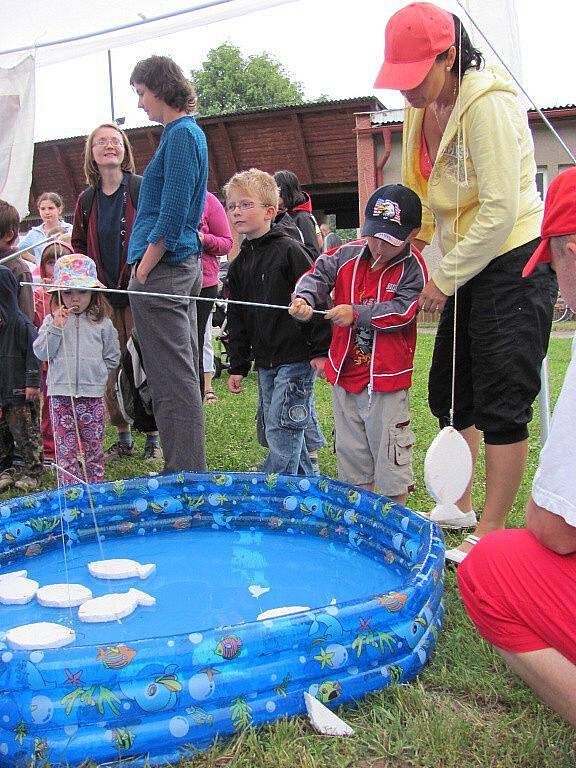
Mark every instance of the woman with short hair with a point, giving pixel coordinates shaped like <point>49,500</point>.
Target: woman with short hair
<point>165,254</point>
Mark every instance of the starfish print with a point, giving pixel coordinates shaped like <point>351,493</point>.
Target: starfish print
<point>73,678</point>
<point>325,659</point>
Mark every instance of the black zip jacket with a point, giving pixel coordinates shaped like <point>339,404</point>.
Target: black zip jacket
<point>19,366</point>
<point>266,271</point>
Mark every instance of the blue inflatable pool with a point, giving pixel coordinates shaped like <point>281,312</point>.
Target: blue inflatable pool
<point>360,577</point>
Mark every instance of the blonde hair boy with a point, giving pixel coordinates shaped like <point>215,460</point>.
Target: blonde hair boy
<point>257,184</point>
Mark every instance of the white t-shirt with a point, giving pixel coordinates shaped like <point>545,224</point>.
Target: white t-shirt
<point>554,486</point>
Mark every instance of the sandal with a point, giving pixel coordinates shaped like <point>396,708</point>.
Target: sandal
<point>457,555</point>
<point>210,397</point>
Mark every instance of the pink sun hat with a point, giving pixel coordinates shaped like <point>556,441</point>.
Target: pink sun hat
<point>75,271</point>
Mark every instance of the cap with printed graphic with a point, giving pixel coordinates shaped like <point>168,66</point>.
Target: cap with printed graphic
<point>559,217</point>
<point>391,213</point>
<point>415,35</point>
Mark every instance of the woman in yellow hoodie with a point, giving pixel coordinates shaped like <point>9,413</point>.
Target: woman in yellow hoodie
<point>468,152</point>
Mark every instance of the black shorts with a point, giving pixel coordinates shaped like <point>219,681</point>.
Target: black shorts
<point>502,332</point>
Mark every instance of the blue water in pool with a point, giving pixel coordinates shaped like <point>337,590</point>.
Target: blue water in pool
<point>202,580</point>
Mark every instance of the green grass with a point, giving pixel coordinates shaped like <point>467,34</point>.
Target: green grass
<point>466,709</point>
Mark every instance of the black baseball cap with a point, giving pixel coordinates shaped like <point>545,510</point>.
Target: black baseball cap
<point>391,213</point>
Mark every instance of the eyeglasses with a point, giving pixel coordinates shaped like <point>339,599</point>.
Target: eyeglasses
<point>116,141</point>
<point>243,205</point>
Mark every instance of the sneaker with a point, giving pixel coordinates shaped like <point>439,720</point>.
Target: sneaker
<point>6,480</point>
<point>450,517</point>
<point>119,451</point>
<point>26,483</point>
<point>152,453</point>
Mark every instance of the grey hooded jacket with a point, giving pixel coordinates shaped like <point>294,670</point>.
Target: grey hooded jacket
<point>80,356</point>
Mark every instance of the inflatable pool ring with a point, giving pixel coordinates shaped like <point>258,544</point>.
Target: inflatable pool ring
<point>352,580</point>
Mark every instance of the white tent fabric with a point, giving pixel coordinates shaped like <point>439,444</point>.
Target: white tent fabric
<point>88,26</point>
<point>501,29</point>
<point>17,104</point>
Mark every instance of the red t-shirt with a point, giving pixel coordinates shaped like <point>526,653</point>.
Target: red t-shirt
<point>355,374</point>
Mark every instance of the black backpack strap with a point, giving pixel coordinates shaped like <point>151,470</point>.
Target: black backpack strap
<point>86,201</point>
<point>134,184</point>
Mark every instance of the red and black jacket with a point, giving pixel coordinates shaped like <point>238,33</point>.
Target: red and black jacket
<point>392,316</point>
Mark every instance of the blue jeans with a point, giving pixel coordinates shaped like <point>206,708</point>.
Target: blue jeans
<point>286,396</point>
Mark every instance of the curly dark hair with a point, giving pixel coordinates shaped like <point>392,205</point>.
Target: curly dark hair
<point>167,82</point>
<point>467,57</point>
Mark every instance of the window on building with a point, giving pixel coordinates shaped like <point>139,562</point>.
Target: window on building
<point>542,180</point>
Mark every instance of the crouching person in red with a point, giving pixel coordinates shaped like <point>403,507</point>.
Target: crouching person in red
<point>519,586</point>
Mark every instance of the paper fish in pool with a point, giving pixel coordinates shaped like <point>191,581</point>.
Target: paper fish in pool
<point>42,634</point>
<point>16,589</point>
<point>120,568</point>
<point>114,606</point>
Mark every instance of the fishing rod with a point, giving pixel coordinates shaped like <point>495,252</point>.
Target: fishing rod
<point>153,294</point>
<point>51,239</point>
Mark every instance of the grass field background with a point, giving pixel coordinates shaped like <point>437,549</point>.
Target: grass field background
<point>466,709</point>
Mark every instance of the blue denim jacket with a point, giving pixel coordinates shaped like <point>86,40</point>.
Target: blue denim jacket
<point>172,194</point>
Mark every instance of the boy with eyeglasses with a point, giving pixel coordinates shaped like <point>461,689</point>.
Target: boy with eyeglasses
<point>286,353</point>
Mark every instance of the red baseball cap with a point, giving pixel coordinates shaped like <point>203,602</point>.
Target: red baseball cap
<point>559,217</point>
<point>415,35</point>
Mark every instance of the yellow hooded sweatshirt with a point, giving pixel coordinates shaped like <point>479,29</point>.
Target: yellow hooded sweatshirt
<point>495,206</point>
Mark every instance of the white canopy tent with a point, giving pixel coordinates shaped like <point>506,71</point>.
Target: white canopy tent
<point>64,30</point>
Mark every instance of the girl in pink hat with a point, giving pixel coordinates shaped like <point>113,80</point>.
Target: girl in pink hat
<point>468,152</point>
<point>80,344</point>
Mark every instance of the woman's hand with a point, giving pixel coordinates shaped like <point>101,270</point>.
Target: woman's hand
<point>342,315</point>
<point>141,274</point>
<point>432,298</point>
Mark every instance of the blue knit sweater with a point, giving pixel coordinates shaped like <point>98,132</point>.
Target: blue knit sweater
<point>172,194</point>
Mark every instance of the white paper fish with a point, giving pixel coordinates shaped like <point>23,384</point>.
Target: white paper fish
<point>447,466</point>
<point>286,610</point>
<point>120,569</point>
<point>13,575</point>
<point>114,606</point>
<point>63,595</point>
<point>325,721</point>
<point>256,590</point>
<point>43,634</point>
<point>17,590</point>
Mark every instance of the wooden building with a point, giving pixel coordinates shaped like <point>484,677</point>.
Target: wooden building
<point>316,141</point>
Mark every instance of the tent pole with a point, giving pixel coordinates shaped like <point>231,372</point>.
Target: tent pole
<point>111,82</point>
<point>544,402</point>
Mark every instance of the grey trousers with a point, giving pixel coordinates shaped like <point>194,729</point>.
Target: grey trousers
<point>167,330</point>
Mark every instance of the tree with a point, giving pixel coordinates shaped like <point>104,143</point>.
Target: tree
<point>227,81</point>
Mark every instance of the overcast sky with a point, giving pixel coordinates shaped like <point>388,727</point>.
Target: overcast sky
<point>331,46</point>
